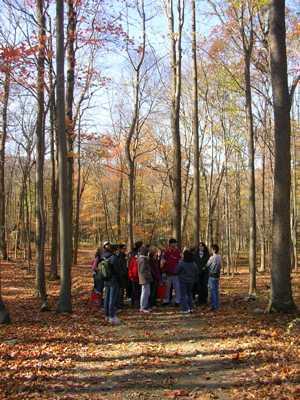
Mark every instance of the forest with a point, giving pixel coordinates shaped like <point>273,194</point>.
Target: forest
<point>145,120</point>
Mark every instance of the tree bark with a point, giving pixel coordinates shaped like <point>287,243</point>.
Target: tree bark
<point>263,214</point>
<point>195,131</point>
<point>65,222</point>
<point>70,125</point>
<point>54,181</point>
<point>176,56</point>
<point>78,198</point>
<point>129,152</point>
<point>40,146</point>
<point>119,206</point>
<point>251,164</point>
<point>281,298</point>
<point>3,244</point>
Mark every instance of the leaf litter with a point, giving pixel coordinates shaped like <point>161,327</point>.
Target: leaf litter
<point>233,354</point>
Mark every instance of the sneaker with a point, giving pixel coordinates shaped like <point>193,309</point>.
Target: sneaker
<point>165,304</point>
<point>185,312</point>
<point>144,311</point>
<point>114,321</point>
<point>176,304</point>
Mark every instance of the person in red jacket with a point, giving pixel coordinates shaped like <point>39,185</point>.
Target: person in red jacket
<point>169,262</point>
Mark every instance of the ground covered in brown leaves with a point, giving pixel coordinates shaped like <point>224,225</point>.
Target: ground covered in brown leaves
<point>238,353</point>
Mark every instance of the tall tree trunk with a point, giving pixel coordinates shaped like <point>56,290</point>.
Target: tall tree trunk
<point>134,129</point>
<point>195,132</point>
<point>263,214</point>
<point>251,155</point>
<point>119,206</point>
<point>40,146</point>
<point>227,212</point>
<point>70,124</point>
<point>65,222</point>
<point>3,245</point>
<point>54,180</point>
<point>78,197</point>
<point>130,216</point>
<point>295,199</point>
<point>281,298</point>
<point>176,56</point>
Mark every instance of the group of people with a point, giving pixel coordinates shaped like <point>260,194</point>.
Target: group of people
<point>146,273</point>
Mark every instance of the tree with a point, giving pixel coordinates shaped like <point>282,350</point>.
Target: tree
<point>40,146</point>
<point>70,124</point>
<point>134,125</point>
<point>7,79</point>
<point>195,131</point>
<point>65,304</point>
<point>176,57</point>
<point>281,298</point>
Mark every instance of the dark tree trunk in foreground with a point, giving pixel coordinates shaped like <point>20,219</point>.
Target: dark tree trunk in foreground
<point>65,304</point>
<point>195,132</point>
<point>281,298</point>
<point>70,125</point>
<point>40,157</point>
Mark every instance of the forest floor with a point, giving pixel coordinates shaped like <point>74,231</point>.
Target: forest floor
<point>237,353</point>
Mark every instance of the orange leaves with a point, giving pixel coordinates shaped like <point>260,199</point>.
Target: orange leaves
<point>217,46</point>
<point>174,394</point>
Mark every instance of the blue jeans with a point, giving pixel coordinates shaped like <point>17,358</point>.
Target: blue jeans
<point>172,280</point>
<point>213,284</point>
<point>145,296</point>
<point>111,299</point>
<point>186,296</point>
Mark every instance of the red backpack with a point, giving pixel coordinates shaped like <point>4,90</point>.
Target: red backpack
<point>133,269</point>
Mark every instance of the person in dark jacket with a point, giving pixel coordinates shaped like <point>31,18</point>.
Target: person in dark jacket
<point>133,275</point>
<point>187,274</point>
<point>154,261</point>
<point>145,278</point>
<point>112,285</point>
<point>98,282</point>
<point>123,270</point>
<point>201,256</point>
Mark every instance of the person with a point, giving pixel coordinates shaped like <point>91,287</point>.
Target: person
<point>133,274</point>
<point>98,282</point>
<point>169,262</point>
<point>145,278</point>
<point>201,256</point>
<point>122,265</point>
<point>112,284</point>
<point>187,271</point>
<point>154,261</point>
<point>214,269</point>
<point>106,251</point>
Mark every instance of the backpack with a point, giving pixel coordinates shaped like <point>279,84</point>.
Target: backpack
<point>105,269</point>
